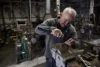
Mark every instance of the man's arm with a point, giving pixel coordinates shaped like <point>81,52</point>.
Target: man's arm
<point>75,38</point>
<point>45,28</point>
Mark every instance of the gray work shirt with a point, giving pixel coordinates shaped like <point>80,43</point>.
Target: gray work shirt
<point>47,26</point>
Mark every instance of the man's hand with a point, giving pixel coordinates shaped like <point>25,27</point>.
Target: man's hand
<point>69,42</point>
<point>57,33</point>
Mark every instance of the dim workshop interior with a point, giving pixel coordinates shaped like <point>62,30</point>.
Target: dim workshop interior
<point>49,33</point>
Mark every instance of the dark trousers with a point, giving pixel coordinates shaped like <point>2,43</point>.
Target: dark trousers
<point>50,62</point>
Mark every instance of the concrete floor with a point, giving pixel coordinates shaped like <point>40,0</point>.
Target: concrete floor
<point>7,55</point>
<point>37,62</point>
<point>8,58</point>
<point>41,65</point>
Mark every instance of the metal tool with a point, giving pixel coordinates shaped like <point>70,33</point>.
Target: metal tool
<point>86,63</point>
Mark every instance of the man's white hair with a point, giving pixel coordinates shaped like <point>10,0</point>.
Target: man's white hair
<point>70,11</point>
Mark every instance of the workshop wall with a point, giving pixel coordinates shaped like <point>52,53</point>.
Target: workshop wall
<point>20,10</point>
<point>97,11</point>
<point>17,10</point>
<point>81,6</point>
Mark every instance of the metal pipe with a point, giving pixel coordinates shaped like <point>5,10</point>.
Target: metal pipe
<point>47,6</point>
<point>47,15</point>
<point>91,6</point>
<point>58,7</point>
<point>30,17</point>
<point>12,11</point>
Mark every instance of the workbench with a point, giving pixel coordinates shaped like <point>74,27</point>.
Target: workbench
<point>68,57</point>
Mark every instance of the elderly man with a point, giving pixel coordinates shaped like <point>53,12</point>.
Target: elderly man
<point>58,30</point>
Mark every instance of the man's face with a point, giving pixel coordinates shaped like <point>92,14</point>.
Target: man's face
<point>66,19</point>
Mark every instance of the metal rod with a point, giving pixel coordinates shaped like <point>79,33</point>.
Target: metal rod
<point>30,11</point>
<point>30,53</point>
